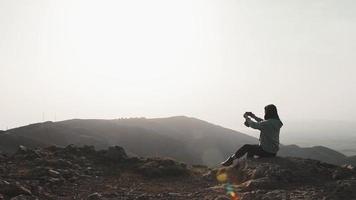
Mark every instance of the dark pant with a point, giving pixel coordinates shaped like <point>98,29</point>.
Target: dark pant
<point>252,150</point>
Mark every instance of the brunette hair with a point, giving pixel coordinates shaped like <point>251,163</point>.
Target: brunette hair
<point>271,112</point>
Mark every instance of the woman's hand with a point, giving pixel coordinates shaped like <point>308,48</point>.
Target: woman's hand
<point>249,114</point>
<point>246,115</point>
<point>246,123</point>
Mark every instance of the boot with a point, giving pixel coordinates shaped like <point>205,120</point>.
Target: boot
<point>228,161</point>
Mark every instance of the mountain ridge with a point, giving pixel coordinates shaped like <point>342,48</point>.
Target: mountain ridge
<point>187,139</point>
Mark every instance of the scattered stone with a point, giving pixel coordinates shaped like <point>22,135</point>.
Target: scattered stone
<point>94,196</point>
<point>76,172</point>
<point>13,190</point>
<point>222,198</point>
<point>341,173</point>
<point>54,173</point>
<point>162,168</point>
<point>24,197</point>
<point>22,149</point>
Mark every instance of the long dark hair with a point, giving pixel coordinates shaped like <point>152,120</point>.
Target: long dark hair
<point>271,112</point>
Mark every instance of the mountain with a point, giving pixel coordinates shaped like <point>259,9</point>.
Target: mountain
<point>337,134</point>
<point>9,142</point>
<point>186,139</point>
<point>352,159</point>
<point>317,153</point>
<point>110,174</point>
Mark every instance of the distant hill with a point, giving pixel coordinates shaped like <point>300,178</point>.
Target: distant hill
<point>317,152</point>
<point>186,139</point>
<point>352,159</point>
<point>10,143</point>
<point>336,134</point>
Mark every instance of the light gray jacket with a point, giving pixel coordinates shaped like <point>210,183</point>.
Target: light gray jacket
<point>269,136</point>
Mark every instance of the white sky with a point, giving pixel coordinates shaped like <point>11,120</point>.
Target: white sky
<point>210,59</point>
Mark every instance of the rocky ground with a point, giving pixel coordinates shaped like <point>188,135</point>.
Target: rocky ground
<point>289,178</point>
<point>84,173</point>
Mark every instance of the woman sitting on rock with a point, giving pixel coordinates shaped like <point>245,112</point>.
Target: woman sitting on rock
<point>269,136</point>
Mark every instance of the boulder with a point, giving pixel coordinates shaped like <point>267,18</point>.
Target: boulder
<point>158,167</point>
<point>342,189</point>
<point>286,170</point>
<point>115,153</point>
<point>288,178</point>
<point>24,153</point>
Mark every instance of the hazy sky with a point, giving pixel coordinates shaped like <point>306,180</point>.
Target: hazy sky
<point>210,59</point>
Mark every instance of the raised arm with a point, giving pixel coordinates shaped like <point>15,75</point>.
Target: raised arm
<point>256,118</point>
<point>253,116</point>
<point>255,125</point>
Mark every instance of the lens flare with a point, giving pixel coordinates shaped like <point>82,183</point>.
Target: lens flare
<point>222,177</point>
<point>233,196</point>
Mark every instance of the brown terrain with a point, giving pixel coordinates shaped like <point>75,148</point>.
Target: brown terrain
<point>84,173</point>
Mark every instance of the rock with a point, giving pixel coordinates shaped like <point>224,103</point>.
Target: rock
<point>143,197</point>
<point>210,175</point>
<point>56,180</point>
<point>38,172</point>
<point>54,173</point>
<point>222,198</point>
<point>23,197</point>
<point>59,163</point>
<point>13,190</point>
<point>343,189</point>
<point>22,148</point>
<point>291,170</point>
<point>262,183</point>
<point>341,173</point>
<point>87,150</point>
<point>174,194</point>
<point>115,154</point>
<point>74,172</point>
<point>163,168</point>
<point>275,194</point>
<point>350,167</point>
<point>94,196</point>
<point>26,153</point>
<point>3,183</point>
<point>2,156</point>
<point>288,178</point>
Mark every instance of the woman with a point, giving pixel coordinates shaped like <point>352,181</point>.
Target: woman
<point>269,136</point>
